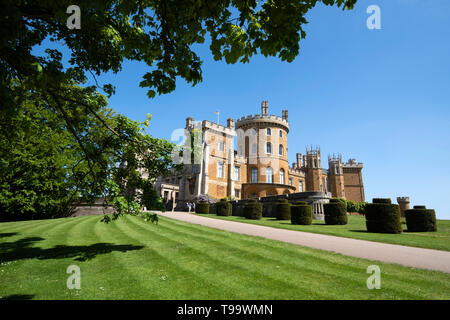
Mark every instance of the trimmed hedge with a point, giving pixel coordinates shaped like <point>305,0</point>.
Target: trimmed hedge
<point>420,220</point>
<point>301,203</point>
<point>420,207</point>
<point>381,200</point>
<point>383,218</point>
<point>283,210</point>
<point>335,213</point>
<point>202,207</point>
<point>253,209</point>
<point>224,208</point>
<point>301,214</point>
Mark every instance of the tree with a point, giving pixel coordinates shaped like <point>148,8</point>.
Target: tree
<point>45,170</point>
<point>160,33</point>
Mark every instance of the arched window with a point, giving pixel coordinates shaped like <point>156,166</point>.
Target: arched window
<point>254,175</point>
<point>269,132</point>
<point>281,133</point>
<point>269,147</point>
<point>281,150</point>
<point>282,176</point>
<point>269,175</point>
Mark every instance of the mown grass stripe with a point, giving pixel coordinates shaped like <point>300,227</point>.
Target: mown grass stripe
<point>232,263</point>
<point>177,275</point>
<point>118,263</point>
<point>329,270</point>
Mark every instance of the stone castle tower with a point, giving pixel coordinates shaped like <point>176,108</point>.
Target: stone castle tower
<point>336,176</point>
<point>259,166</point>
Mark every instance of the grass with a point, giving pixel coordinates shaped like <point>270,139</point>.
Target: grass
<point>356,229</point>
<point>133,259</point>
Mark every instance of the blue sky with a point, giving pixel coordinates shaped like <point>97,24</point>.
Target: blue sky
<point>380,96</point>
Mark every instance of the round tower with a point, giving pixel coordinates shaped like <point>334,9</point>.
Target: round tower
<point>262,140</point>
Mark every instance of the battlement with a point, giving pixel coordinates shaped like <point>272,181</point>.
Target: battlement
<point>335,158</point>
<point>403,199</point>
<point>351,163</point>
<point>296,171</point>
<point>206,124</point>
<point>253,120</point>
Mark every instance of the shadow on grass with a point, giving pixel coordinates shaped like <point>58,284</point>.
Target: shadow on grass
<point>21,249</point>
<point>9,234</point>
<point>18,297</point>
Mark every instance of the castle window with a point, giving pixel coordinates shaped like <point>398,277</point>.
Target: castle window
<point>221,146</point>
<point>281,134</point>
<point>269,175</point>
<point>300,186</point>
<point>269,132</point>
<point>282,176</point>
<point>237,193</point>
<point>220,166</point>
<point>269,147</point>
<point>254,175</point>
<point>281,150</point>
<point>237,173</point>
<point>290,181</point>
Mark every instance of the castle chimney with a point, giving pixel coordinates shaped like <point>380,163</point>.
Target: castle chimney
<point>299,160</point>
<point>230,123</point>
<point>264,108</point>
<point>285,115</point>
<point>189,123</point>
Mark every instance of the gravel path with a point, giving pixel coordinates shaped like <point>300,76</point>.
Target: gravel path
<point>390,253</point>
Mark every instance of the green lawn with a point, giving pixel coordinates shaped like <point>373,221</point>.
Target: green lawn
<point>133,259</point>
<point>356,228</point>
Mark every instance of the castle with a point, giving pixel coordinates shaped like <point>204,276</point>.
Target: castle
<point>259,166</point>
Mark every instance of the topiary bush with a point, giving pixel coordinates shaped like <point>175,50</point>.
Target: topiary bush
<point>383,217</point>
<point>224,208</point>
<point>202,207</point>
<point>420,219</point>
<point>335,213</point>
<point>339,200</point>
<point>301,214</point>
<point>381,200</point>
<point>253,209</point>
<point>283,210</point>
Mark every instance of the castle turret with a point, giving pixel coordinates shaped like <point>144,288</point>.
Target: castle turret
<point>403,203</point>
<point>313,165</point>
<point>336,176</point>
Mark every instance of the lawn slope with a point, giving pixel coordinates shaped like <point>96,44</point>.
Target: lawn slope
<point>134,259</point>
